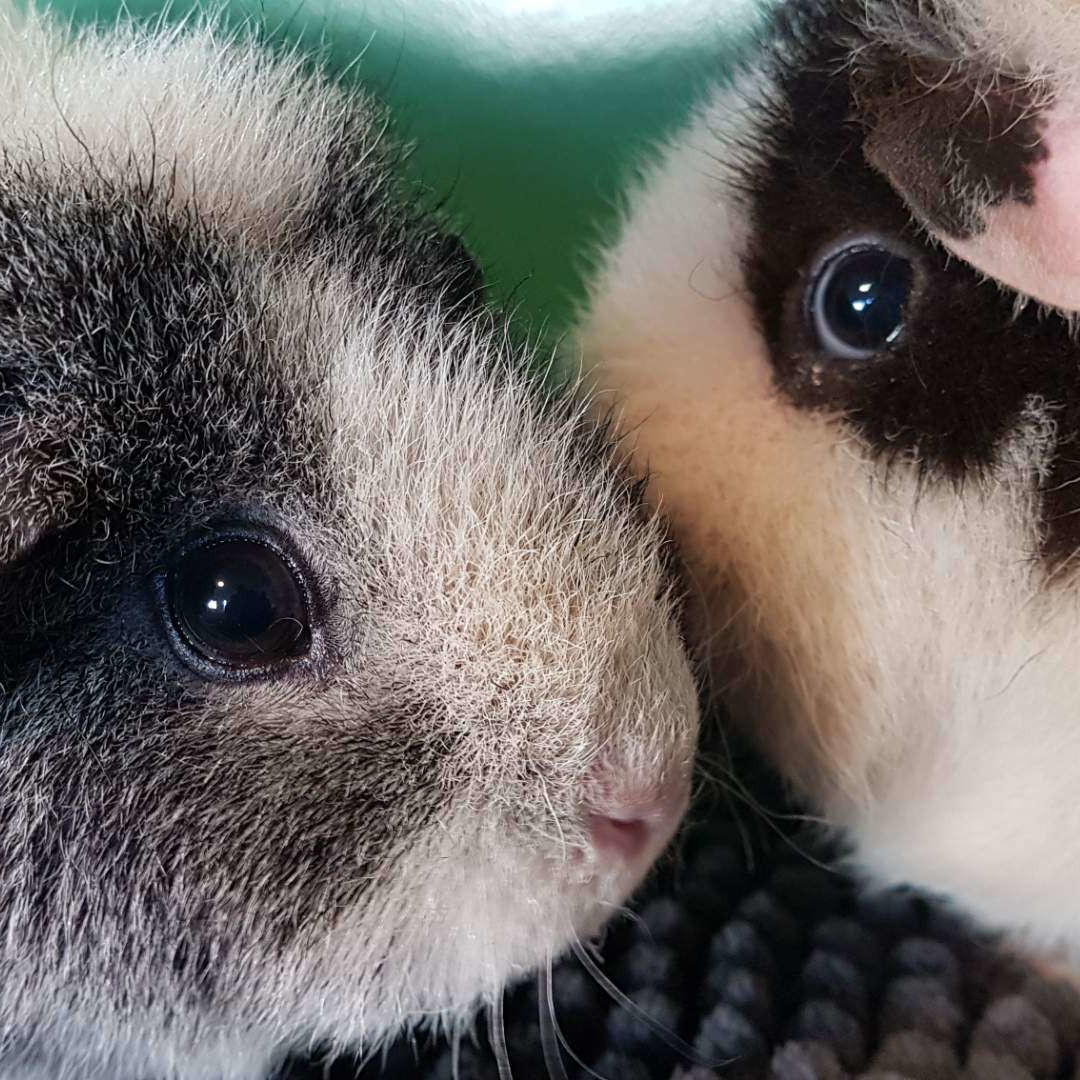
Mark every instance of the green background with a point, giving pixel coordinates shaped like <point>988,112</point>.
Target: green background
<point>527,115</point>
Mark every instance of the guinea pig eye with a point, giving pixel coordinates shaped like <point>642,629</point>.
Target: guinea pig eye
<point>857,301</point>
<point>237,604</point>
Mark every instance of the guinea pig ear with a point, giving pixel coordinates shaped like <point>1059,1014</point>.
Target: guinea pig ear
<point>986,160</point>
<point>35,495</point>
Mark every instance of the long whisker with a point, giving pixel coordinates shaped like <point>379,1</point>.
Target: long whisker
<point>677,1044</point>
<point>497,1035</point>
<point>548,1025</point>
<point>623,911</point>
<point>738,787</point>
<point>734,788</point>
<point>564,1042</point>
<point>455,1053</point>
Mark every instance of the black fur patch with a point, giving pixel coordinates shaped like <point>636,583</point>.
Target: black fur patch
<point>951,139</point>
<point>131,337</point>
<point>352,211</point>
<point>189,821</point>
<point>958,380</point>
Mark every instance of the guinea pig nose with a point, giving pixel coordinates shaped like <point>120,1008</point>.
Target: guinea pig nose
<point>635,833</point>
<point>624,837</point>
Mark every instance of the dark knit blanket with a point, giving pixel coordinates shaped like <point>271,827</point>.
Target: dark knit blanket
<point>761,958</point>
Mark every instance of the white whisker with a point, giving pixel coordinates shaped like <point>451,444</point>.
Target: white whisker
<point>497,1035</point>
<point>548,1025</point>
<point>563,1042</point>
<point>455,1053</point>
<point>677,1044</point>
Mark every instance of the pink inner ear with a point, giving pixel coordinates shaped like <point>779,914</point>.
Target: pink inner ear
<point>1036,248</point>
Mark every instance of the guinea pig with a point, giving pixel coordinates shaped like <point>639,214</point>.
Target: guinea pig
<point>341,677</point>
<point>838,326</point>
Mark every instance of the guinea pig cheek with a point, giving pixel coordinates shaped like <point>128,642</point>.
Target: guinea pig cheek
<point>1033,246</point>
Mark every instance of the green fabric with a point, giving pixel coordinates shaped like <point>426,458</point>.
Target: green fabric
<point>526,114</point>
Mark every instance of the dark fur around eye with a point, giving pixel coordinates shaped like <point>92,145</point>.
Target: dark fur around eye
<point>972,359</point>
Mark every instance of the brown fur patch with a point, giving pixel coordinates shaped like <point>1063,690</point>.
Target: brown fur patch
<point>951,138</point>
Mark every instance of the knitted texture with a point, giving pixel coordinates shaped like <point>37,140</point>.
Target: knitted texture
<point>776,966</point>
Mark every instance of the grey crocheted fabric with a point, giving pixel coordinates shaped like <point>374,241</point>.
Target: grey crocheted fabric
<point>776,966</point>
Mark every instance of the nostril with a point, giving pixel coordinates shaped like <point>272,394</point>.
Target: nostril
<point>630,834</point>
<point>623,837</point>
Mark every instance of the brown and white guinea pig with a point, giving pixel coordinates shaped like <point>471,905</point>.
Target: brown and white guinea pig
<point>340,675</point>
<point>840,327</point>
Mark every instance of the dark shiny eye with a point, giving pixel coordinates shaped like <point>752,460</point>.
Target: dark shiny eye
<point>857,301</point>
<point>237,604</point>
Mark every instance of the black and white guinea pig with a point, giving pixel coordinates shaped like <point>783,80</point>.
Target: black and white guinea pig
<point>840,326</point>
<point>340,675</point>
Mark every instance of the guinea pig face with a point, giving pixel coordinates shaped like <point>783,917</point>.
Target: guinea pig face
<point>840,330</point>
<point>339,675</point>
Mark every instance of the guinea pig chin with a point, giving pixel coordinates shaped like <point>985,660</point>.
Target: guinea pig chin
<point>492,909</point>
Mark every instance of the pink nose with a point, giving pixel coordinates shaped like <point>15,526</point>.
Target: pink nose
<point>634,834</point>
<point>621,837</point>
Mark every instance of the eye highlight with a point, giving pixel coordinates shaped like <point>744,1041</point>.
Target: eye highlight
<point>856,303</point>
<point>237,605</point>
